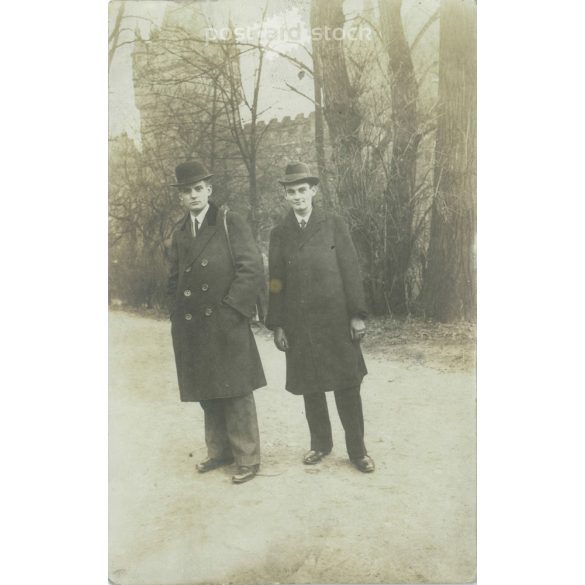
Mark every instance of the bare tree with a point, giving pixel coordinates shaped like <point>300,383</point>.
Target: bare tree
<point>114,37</point>
<point>202,78</point>
<point>450,282</point>
<point>401,186</point>
<point>370,102</point>
<point>141,220</point>
<point>346,107</point>
<point>248,136</point>
<point>341,107</point>
<point>330,199</point>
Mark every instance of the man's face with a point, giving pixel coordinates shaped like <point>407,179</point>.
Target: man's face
<point>300,196</point>
<point>196,196</point>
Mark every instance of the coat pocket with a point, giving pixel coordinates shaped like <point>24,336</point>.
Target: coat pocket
<point>229,318</point>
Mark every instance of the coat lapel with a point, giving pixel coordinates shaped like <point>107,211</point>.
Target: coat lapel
<point>313,227</point>
<point>292,226</point>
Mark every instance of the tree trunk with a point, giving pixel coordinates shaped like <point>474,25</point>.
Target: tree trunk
<point>449,291</point>
<point>253,192</point>
<point>405,138</point>
<point>330,201</point>
<point>340,102</point>
<point>342,113</point>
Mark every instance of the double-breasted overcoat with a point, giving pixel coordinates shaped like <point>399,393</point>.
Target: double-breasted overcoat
<point>211,300</point>
<point>315,289</point>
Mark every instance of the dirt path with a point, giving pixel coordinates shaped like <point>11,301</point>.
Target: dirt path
<point>413,520</point>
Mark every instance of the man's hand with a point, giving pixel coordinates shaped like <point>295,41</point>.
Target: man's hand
<point>280,339</point>
<point>357,329</point>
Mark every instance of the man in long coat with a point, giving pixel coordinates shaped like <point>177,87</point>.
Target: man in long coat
<point>317,311</point>
<point>215,277</point>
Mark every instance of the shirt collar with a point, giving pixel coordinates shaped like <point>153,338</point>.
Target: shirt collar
<point>200,216</point>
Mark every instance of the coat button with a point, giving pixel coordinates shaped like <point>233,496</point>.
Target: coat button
<point>204,287</point>
<point>187,293</point>
<point>188,317</point>
<point>204,262</point>
<point>208,311</point>
<point>188,269</point>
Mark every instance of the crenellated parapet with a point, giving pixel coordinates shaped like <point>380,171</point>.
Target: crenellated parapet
<point>286,132</point>
<point>300,121</point>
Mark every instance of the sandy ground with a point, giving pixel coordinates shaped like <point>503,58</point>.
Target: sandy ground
<point>411,521</point>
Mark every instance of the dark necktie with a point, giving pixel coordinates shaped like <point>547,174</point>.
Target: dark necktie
<point>196,227</point>
<point>303,224</point>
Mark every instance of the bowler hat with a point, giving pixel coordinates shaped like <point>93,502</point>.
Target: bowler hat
<point>190,172</point>
<point>297,172</point>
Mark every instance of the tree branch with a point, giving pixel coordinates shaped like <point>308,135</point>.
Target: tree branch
<point>295,90</point>
<point>434,17</point>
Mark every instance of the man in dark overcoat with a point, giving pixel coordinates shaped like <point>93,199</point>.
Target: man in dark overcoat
<point>215,278</point>
<point>317,310</point>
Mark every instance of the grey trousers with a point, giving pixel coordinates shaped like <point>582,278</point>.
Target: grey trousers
<point>231,429</point>
<point>349,407</point>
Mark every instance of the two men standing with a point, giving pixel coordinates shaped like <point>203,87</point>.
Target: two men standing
<point>316,310</point>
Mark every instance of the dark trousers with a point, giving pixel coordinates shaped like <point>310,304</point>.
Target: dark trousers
<point>231,428</point>
<point>349,407</point>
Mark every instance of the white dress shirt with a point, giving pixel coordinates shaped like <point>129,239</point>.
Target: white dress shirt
<point>305,218</point>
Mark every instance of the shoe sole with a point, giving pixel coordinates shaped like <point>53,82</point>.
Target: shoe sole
<point>238,481</point>
<point>363,470</point>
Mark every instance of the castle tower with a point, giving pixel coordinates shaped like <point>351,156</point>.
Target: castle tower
<point>176,76</point>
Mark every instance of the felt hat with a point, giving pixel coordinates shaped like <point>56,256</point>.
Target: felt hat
<point>190,172</point>
<point>296,173</point>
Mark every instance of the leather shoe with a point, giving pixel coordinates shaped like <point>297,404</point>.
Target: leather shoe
<point>314,456</point>
<point>245,473</point>
<point>365,464</point>
<point>211,463</point>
